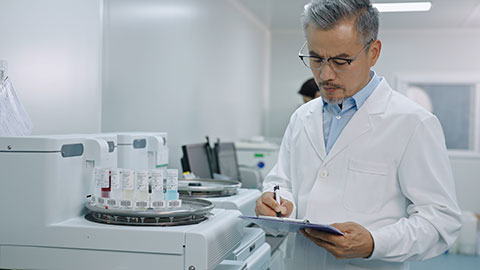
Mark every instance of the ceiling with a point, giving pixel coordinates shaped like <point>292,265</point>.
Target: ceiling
<point>281,15</point>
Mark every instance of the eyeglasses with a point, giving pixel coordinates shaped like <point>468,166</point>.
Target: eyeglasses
<point>338,64</point>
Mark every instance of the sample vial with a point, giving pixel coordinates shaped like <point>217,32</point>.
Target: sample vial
<point>162,158</point>
<point>158,196</point>
<point>102,179</point>
<point>128,187</point>
<point>107,184</point>
<point>172,197</point>
<point>116,186</point>
<point>141,189</point>
<point>97,193</point>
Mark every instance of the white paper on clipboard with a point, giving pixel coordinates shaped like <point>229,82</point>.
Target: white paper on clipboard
<point>14,120</point>
<point>289,225</point>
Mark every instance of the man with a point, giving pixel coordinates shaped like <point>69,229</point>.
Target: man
<point>309,90</point>
<point>363,158</point>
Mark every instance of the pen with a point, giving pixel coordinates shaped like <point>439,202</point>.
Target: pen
<point>276,196</point>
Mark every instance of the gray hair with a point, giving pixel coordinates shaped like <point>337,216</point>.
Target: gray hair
<point>325,14</point>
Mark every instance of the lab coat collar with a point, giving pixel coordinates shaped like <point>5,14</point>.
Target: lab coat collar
<point>378,101</point>
<point>359,124</point>
<point>314,127</point>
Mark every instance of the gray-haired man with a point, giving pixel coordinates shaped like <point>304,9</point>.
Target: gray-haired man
<point>363,157</point>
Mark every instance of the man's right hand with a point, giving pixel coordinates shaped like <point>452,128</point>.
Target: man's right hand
<point>268,206</point>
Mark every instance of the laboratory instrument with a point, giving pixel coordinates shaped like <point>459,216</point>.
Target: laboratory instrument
<point>257,153</point>
<point>225,194</point>
<point>196,160</point>
<point>142,150</point>
<point>44,189</point>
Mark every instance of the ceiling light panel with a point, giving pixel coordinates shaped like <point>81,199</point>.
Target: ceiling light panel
<point>403,7</point>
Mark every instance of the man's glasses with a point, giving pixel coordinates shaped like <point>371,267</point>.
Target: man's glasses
<point>338,64</point>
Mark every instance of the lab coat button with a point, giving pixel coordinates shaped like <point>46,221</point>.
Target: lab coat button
<point>323,174</point>
<point>338,117</point>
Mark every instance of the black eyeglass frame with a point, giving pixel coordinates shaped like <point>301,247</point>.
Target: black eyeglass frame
<point>347,60</point>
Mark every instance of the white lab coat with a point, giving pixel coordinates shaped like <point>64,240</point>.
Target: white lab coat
<point>388,171</point>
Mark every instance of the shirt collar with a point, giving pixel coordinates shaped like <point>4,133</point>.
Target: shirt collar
<point>361,96</point>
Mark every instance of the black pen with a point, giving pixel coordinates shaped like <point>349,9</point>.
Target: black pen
<point>276,196</point>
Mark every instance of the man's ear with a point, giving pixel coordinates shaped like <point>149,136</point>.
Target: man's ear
<point>374,52</point>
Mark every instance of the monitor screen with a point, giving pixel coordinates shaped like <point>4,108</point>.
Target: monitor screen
<point>195,160</point>
<point>227,160</point>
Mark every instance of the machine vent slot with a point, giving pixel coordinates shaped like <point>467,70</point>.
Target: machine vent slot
<point>111,146</point>
<point>139,143</point>
<point>72,150</point>
<point>223,246</point>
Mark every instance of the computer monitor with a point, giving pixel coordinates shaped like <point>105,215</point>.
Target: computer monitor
<point>226,157</point>
<point>195,160</point>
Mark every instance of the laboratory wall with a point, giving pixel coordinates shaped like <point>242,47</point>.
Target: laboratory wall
<point>429,51</point>
<point>190,68</point>
<point>287,74</point>
<point>466,171</point>
<point>53,49</point>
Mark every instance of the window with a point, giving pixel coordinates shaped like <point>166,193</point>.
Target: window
<point>454,100</point>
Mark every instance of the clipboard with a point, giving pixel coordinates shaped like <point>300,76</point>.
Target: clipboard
<point>289,224</point>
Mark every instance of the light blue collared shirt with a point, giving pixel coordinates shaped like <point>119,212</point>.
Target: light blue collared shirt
<point>335,119</point>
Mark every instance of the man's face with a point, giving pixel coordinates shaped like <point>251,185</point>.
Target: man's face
<point>341,41</point>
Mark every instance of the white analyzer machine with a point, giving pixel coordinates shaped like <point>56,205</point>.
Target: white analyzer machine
<point>43,191</point>
<point>260,154</point>
<point>149,150</point>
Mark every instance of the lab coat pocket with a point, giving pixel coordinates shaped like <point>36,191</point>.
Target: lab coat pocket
<point>365,186</point>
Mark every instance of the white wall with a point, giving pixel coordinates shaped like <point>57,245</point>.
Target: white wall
<point>466,171</point>
<point>287,76</point>
<point>53,48</point>
<point>429,51</point>
<point>404,51</point>
<point>190,68</point>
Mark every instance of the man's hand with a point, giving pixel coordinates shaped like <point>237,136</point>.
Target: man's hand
<point>267,206</point>
<point>357,242</point>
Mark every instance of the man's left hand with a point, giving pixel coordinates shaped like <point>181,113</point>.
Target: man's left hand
<point>357,242</point>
